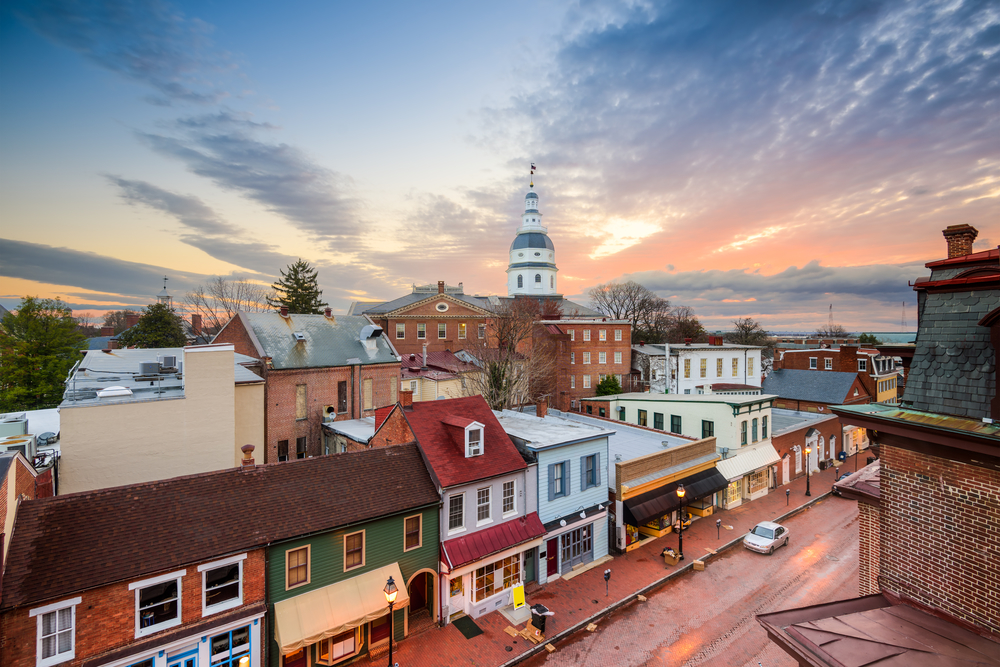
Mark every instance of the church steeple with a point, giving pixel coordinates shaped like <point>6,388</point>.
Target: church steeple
<point>532,269</point>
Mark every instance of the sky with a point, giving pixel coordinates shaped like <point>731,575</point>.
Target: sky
<point>762,159</point>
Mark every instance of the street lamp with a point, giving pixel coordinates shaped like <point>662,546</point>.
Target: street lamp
<point>808,469</point>
<point>390,591</point>
<point>680,521</point>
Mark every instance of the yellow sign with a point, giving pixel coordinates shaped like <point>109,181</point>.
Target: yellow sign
<point>518,594</point>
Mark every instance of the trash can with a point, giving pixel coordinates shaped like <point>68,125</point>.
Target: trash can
<point>842,456</point>
<point>538,614</point>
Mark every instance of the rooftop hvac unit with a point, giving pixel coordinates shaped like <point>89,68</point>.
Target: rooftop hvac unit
<point>725,452</point>
<point>169,361</point>
<point>149,368</point>
<point>20,443</point>
<point>15,424</point>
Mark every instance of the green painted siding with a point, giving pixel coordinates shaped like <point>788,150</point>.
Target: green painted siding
<point>383,546</point>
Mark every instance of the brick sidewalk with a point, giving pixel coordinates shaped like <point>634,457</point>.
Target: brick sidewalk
<point>583,597</point>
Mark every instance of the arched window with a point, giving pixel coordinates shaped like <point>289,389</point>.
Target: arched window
<point>552,281</point>
<point>538,277</point>
<point>520,280</point>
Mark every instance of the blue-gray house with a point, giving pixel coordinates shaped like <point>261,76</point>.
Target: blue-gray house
<point>571,462</point>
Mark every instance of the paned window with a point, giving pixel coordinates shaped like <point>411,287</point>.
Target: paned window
<point>642,418</point>
<point>483,504</point>
<point>538,278</point>
<point>508,497</point>
<point>758,481</point>
<point>586,357</point>
<point>229,648</point>
<point>736,366</point>
<point>572,334</point>
<point>576,545</point>
<point>586,335</point>
<point>687,368</point>
<point>282,450</point>
<point>862,365</point>
<point>749,365</point>
<point>658,420</point>
<point>475,445</point>
<point>339,646</point>
<point>400,330</point>
<point>520,280</point>
<point>618,357</point>
<point>753,430</point>
<point>482,331</point>
<point>621,414</point>
<point>572,357</point>
<point>812,363</point>
<point>707,428</point>
<point>618,334</point>
<point>586,382</point>
<point>602,357</point>
<point>828,363</point>
<point>558,472</point>
<point>497,577</point>
<point>733,491</point>
<point>297,567</point>
<point>56,632</point>
<point>602,334</point>
<point>421,330</point>
<point>743,433</point>
<point>461,330</point>
<point>354,550</point>
<point>157,604</point>
<point>456,511</point>
<point>675,423</point>
<point>572,382</point>
<point>412,534</point>
<point>704,367</point>
<point>718,367</point>
<point>763,427</point>
<point>590,476</point>
<point>300,448</point>
<point>442,329</point>
<point>222,585</point>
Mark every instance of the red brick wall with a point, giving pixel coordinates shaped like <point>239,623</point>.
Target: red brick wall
<point>427,313</point>
<point>321,391</point>
<point>869,549</point>
<point>799,359</point>
<point>939,541</point>
<point>564,394</point>
<point>235,333</point>
<point>813,406</point>
<point>394,431</point>
<point>783,444</point>
<point>25,482</point>
<point>105,619</point>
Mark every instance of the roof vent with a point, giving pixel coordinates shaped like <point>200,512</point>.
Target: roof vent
<point>299,337</point>
<point>109,392</point>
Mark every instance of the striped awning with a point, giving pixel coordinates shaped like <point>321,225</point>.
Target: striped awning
<point>746,460</point>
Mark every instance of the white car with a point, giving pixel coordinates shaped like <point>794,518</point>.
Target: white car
<point>765,537</point>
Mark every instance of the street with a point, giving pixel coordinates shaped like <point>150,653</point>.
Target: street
<point>707,618</point>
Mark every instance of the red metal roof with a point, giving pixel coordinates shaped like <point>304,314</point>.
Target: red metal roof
<point>444,445</point>
<point>470,548</point>
<point>993,253</point>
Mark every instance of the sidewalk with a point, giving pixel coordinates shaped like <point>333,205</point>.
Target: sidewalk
<point>576,601</point>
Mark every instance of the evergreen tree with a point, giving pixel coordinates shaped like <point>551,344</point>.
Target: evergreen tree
<point>38,345</point>
<point>298,290</point>
<point>869,339</point>
<point>608,386</point>
<point>159,326</point>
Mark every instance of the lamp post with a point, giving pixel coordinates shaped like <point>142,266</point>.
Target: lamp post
<point>390,591</point>
<point>808,469</point>
<point>680,522</point>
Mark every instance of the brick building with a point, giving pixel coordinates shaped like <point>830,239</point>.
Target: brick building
<point>17,483</point>
<point>814,392</point>
<point>880,373</point>
<point>316,368</point>
<point>929,569</point>
<point>585,351</point>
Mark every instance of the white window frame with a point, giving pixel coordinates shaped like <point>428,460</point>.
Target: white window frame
<point>602,334</point>
<point>618,357</point>
<point>421,331</point>
<point>572,357</point>
<point>38,613</point>
<point>462,327</point>
<point>488,506</point>
<point>461,525</point>
<point>813,363</point>
<point>586,335</point>
<point>602,357</point>
<point>618,334</point>
<point>442,330</point>
<point>513,498</point>
<point>468,444</point>
<point>586,358</point>
<point>572,334</point>
<point>400,330</point>
<point>228,604</point>
<point>572,382</point>
<point>346,656</point>
<point>137,586</point>
<point>586,382</point>
<point>482,331</point>
<point>828,363</point>
<point>862,365</point>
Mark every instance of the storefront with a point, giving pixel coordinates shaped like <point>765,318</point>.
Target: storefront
<point>233,644</point>
<point>652,514</point>
<point>748,474</point>
<point>573,541</point>
<point>339,621</point>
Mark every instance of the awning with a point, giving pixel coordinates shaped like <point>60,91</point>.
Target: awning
<point>747,460</point>
<point>470,548</point>
<point>663,500</point>
<point>308,618</point>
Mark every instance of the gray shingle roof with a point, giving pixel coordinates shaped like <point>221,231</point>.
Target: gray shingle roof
<point>325,343</point>
<point>817,386</point>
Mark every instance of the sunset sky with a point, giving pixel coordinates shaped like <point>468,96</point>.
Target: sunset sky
<point>746,159</point>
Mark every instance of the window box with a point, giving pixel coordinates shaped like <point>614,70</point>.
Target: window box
<point>221,585</point>
<point>157,603</point>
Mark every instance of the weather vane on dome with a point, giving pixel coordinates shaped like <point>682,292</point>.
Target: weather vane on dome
<point>532,182</point>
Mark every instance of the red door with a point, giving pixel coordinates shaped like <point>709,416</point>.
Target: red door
<point>379,630</point>
<point>552,557</point>
<point>296,659</point>
<point>418,592</point>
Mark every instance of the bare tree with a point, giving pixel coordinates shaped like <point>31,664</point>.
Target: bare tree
<point>517,368</point>
<point>220,300</point>
<point>748,331</point>
<point>648,313</point>
<point>831,331</point>
<point>682,324</point>
<point>86,324</point>
<point>118,319</point>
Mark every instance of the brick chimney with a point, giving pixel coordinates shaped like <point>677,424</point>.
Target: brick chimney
<point>247,461</point>
<point>687,341</point>
<point>284,311</point>
<point>107,331</point>
<point>406,398</point>
<point>960,238</point>
<point>131,319</point>
<point>440,287</point>
<point>542,408</point>
<point>196,324</point>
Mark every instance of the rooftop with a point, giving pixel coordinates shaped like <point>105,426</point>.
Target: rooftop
<point>548,431</point>
<point>358,430</point>
<point>784,421</point>
<point>932,420</point>
<point>830,387</point>
<point>728,399</point>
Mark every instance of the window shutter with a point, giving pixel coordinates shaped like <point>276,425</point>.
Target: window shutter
<point>552,482</point>
<point>583,473</point>
<point>597,468</point>
<point>566,473</point>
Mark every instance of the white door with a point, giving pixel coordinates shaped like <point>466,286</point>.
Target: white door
<point>784,470</point>
<point>456,601</point>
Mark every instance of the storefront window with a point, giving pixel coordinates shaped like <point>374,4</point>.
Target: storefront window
<point>758,481</point>
<point>229,647</point>
<point>498,576</point>
<point>733,492</point>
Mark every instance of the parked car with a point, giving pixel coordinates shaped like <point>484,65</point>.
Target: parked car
<point>765,537</point>
<point>836,490</point>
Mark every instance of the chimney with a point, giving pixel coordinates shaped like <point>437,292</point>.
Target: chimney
<point>284,311</point>
<point>687,341</point>
<point>424,365</point>
<point>440,287</point>
<point>542,408</point>
<point>112,344</point>
<point>131,319</point>
<point>461,288</point>
<point>196,324</point>
<point>247,461</point>
<point>406,398</point>
<point>107,331</point>
<point>960,238</point>
<point>642,343</point>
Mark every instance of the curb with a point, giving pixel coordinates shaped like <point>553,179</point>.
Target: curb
<point>649,588</point>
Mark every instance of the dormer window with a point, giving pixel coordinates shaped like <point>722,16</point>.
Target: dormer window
<point>473,440</point>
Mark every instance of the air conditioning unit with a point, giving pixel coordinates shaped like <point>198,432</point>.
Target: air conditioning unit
<point>25,444</point>
<point>168,361</point>
<point>149,368</point>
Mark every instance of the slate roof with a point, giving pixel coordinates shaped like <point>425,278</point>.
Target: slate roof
<point>79,541</point>
<point>328,342</point>
<point>829,387</point>
<point>444,445</point>
<point>532,240</point>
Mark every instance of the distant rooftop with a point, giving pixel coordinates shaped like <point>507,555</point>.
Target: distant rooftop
<point>542,432</point>
<point>731,399</point>
<point>791,420</point>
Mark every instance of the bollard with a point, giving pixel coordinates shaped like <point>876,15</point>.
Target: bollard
<point>607,577</point>
<point>787,493</point>
<point>718,524</point>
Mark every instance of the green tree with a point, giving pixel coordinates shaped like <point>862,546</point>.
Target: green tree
<point>159,326</point>
<point>298,290</point>
<point>118,319</point>
<point>869,339</point>
<point>608,386</point>
<point>38,346</point>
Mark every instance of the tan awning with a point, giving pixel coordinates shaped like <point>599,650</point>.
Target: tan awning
<point>308,618</point>
<point>745,460</point>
